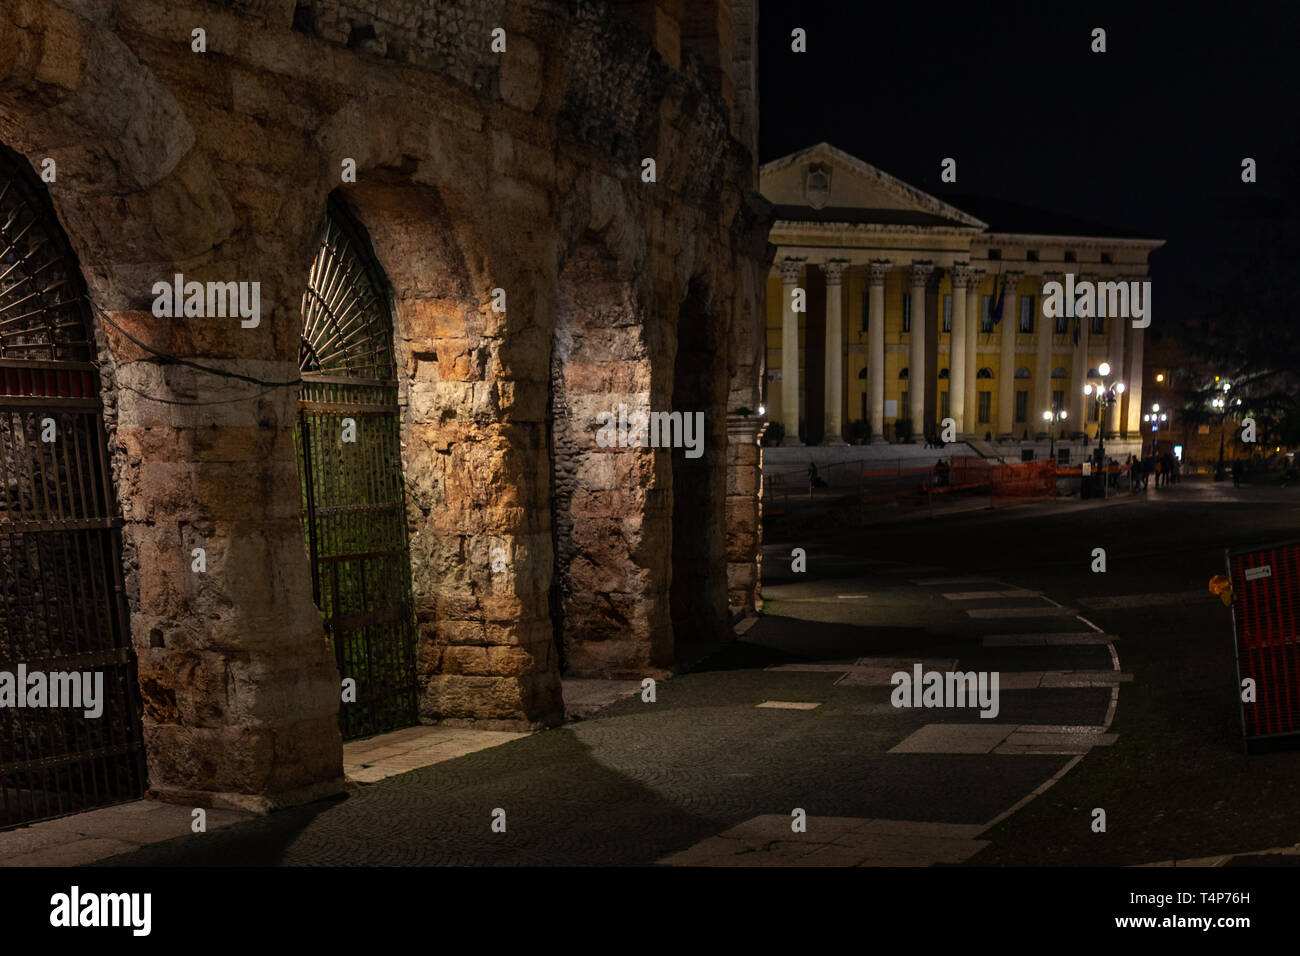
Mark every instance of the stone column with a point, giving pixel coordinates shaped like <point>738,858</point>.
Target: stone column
<point>877,270</point>
<point>972,354</point>
<point>1044,330</point>
<point>834,415</point>
<point>1133,383</point>
<point>790,272</point>
<point>1079,403</point>
<point>957,347</point>
<point>917,384</point>
<point>1115,357</point>
<point>1007,371</point>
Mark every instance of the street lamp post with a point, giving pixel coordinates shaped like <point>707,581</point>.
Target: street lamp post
<point>1053,417</point>
<point>1221,403</point>
<point>1106,395</point>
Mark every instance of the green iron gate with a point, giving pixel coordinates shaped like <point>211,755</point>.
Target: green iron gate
<point>350,465</point>
<point>62,610</point>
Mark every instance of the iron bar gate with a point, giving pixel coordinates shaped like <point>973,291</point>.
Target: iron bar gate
<point>353,498</point>
<point>62,606</point>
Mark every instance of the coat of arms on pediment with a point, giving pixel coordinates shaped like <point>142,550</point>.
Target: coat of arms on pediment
<point>817,184</point>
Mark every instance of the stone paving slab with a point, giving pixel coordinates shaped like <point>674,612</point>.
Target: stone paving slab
<point>953,739</point>
<point>1121,601</point>
<point>789,705</point>
<point>988,595</point>
<point>584,696</point>
<point>376,758</point>
<point>768,840</point>
<point>1047,610</point>
<point>947,582</point>
<point>1049,639</point>
<point>97,834</point>
<point>1005,739</point>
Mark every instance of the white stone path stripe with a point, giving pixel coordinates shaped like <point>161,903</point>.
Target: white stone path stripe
<point>1146,600</point>
<point>1048,640</point>
<point>790,704</point>
<point>986,595</point>
<point>945,582</point>
<point>767,840</point>
<point>1004,612</point>
<point>1005,739</point>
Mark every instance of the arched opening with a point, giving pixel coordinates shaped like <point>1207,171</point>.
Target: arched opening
<point>353,494</point>
<point>609,512</point>
<point>698,594</point>
<point>63,611</point>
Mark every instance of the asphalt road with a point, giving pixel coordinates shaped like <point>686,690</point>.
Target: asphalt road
<point>1176,784</point>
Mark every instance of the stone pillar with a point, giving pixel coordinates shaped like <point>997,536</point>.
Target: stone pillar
<point>917,384</point>
<point>744,514</point>
<point>1113,422</point>
<point>790,272</point>
<point>1079,403</point>
<point>1007,371</point>
<point>834,415</point>
<point>972,353</point>
<point>957,347</point>
<point>1133,382</point>
<point>877,270</point>
<point>1045,328</point>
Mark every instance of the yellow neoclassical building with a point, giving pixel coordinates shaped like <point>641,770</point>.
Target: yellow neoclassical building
<point>915,310</point>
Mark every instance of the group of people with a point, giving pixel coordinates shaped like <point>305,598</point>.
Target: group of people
<point>1165,467</point>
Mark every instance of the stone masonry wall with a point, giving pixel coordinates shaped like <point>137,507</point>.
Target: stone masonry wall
<point>476,171</point>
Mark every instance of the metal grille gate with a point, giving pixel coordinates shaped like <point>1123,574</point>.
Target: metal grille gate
<point>354,508</point>
<point>62,609</point>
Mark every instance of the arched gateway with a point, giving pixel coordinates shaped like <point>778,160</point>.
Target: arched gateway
<point>349,457</point>
<point>69,702</point>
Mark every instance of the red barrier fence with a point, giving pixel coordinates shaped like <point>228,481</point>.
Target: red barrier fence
<point>1028,479</point>
<point>1266,625</point>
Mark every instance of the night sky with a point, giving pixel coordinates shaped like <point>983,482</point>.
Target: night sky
<point>1148,136</point>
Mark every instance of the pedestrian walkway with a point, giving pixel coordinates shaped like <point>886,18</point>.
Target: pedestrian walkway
<point>795,716</point>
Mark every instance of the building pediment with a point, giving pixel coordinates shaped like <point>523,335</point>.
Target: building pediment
<point>829,183</point>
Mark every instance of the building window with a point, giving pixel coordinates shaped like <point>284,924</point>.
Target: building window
<point>907,312</point>
<point>985,372</point>
<point>1027,313</point>
<point>1022,372</point>
<point>903,404</point>
<point>1022,406</point>
<point>1062,324</point>
<point>1031,255</point>
<point>866,311</point>
<point>1107,258</point>
<point>986,313</point>
<point>1098,325</point>
<point>1058,399</point>
<point>995,255</point>
<point>864,406</point>
<point>985,400</point>
<point>1069,256</point>
<point>943,405</point>
<point>947,313</point>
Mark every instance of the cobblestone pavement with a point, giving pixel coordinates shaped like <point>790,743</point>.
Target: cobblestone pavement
<point>641,783</point>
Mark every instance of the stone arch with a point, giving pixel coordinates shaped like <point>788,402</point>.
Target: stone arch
<point>349,458</point>
<point>610,513</point>
<point>472,389</point>
<point>1022,372</point>
<point>61,569</point>
<point>984,372</point>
